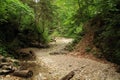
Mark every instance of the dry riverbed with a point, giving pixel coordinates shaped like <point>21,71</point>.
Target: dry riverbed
<point>54,64</point>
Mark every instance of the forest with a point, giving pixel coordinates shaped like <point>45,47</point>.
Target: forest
<point>36,23</point>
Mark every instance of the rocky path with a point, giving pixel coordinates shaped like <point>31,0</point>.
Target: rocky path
<point>54,64</point>
<point>59,65</point>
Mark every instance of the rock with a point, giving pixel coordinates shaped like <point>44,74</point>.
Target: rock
<point>39,45</point>
<point>64,52</point>
<point>54,53</point>
<point>41,77</point>
<point>70,65</point>
<point>5,67</point>
<point>3,64</point>
<point>9,68</point>
<point>118,69</point>
<point>2,59</point>
<point>11,60</point>
<point>26,54</point>
<point>7,76</point>
<point>58,52</point>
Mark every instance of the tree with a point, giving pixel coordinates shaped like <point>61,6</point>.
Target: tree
<point>106,37</point>
<point>66,9</point>
<point>15,17</point>
<point>44,16</point>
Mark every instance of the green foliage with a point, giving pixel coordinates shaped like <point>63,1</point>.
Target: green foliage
<point>17,26</point>
<point>90,8</point>
<point>3,50</point>
<point>45,36</point>
<point>24,22</point>
<point>45,19</point>
<point>107,37</point>
<point>75,13</point>
<point>88,49</point>
<point>66,9</point>
<point>15,11</point>
<point>14,17</point>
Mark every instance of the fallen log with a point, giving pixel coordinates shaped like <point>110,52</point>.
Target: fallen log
<point>5,72</point>
<point>68,76</point>
<point>23,73</point>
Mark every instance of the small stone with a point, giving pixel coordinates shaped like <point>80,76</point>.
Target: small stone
<point>7,76</point>
<point>50,72</point>
<point>70,65</point>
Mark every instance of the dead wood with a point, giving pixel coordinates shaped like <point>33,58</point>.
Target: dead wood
<point>68,76</point>
<point>23,73</point>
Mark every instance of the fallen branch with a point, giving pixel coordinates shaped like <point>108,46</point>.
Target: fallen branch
<point>5,72</point>
<point>68,76</point>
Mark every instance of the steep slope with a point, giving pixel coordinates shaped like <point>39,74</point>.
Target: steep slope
<point>86,45</point>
